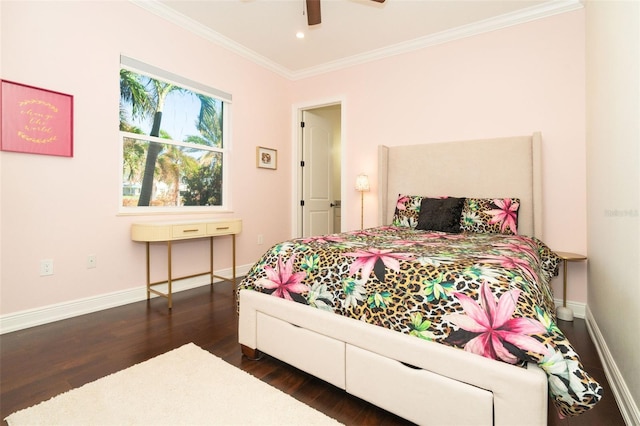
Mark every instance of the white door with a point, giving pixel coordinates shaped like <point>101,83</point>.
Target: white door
<point>317,172</point>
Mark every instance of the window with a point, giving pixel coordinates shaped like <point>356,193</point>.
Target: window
<point>174,148</point>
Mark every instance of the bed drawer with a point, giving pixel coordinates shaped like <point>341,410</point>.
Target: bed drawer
<point>314,353</point>
<point>417,395</point>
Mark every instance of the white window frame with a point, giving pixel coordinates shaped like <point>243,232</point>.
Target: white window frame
<point>159,74</point>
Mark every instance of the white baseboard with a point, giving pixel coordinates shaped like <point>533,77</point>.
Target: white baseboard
<point>33,317</point>
<point>577,308</point>
<point>628,408</point>
<point>47,314</point>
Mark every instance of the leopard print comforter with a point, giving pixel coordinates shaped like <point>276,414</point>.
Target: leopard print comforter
<point>484,293</point>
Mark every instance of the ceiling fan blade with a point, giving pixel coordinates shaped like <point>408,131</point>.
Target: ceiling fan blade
<point>379,1</point>
<point>313,12</point>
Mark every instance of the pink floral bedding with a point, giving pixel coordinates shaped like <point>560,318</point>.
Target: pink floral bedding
<point>484,293</point>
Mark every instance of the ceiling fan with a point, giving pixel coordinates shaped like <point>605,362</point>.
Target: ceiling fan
<point>313,11</point>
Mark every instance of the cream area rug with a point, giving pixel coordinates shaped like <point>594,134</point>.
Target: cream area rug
<point>186,386</point>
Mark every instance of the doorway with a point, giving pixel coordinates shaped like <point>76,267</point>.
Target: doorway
<point>319,172</point>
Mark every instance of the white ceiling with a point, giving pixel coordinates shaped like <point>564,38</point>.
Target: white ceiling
<point>352,31</point>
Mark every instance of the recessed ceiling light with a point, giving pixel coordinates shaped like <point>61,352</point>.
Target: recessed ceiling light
<point>300,34</point>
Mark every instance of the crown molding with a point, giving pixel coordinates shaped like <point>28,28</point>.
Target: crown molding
<point>509,19</point>
<point>207,33</point>
<point>484,26</point>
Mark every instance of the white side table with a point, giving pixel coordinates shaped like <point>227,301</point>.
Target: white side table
<point>563,312</point>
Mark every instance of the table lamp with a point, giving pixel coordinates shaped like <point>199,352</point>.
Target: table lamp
<point>362,185</point>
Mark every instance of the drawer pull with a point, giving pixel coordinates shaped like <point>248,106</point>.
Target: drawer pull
<point>221,228</point>
<point>413,367</point>
<point>190,230</point>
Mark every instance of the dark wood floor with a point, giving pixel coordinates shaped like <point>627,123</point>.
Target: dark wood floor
<point>41,362</point>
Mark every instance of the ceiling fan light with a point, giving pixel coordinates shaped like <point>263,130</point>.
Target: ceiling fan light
<point>300,34</point>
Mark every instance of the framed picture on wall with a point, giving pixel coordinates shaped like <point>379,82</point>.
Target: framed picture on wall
<point>35,121</point>
<point>266,158</point>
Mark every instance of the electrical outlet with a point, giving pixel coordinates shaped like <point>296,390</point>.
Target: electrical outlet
<point>92,261</point>
<point>46,267</point>
<point>260,239</point>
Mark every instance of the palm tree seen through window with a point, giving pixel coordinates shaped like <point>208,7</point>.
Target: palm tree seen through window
<point>172,144</point>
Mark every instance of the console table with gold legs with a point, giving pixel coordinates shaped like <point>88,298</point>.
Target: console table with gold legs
<point>168,231</point>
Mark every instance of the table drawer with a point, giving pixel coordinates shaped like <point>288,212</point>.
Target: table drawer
<point>190,230</point>
<point>224,228</point>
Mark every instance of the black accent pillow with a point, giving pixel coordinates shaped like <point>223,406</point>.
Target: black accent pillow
<point>440,214</point>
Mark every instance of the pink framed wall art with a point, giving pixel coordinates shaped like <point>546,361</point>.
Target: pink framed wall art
<point>35,120</point>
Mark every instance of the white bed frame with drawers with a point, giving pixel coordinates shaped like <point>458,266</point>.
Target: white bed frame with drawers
<point>424,382</point>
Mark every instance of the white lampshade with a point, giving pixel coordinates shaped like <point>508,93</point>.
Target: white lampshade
<point>362,183</point>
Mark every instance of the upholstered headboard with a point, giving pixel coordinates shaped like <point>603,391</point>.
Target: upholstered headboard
<point>501,167</point>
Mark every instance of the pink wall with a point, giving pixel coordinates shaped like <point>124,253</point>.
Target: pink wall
<point>513,81</point>
<point>67,208</point>
<point>517,80</point>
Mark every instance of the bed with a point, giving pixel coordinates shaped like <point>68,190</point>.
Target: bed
<point>445,315</point>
